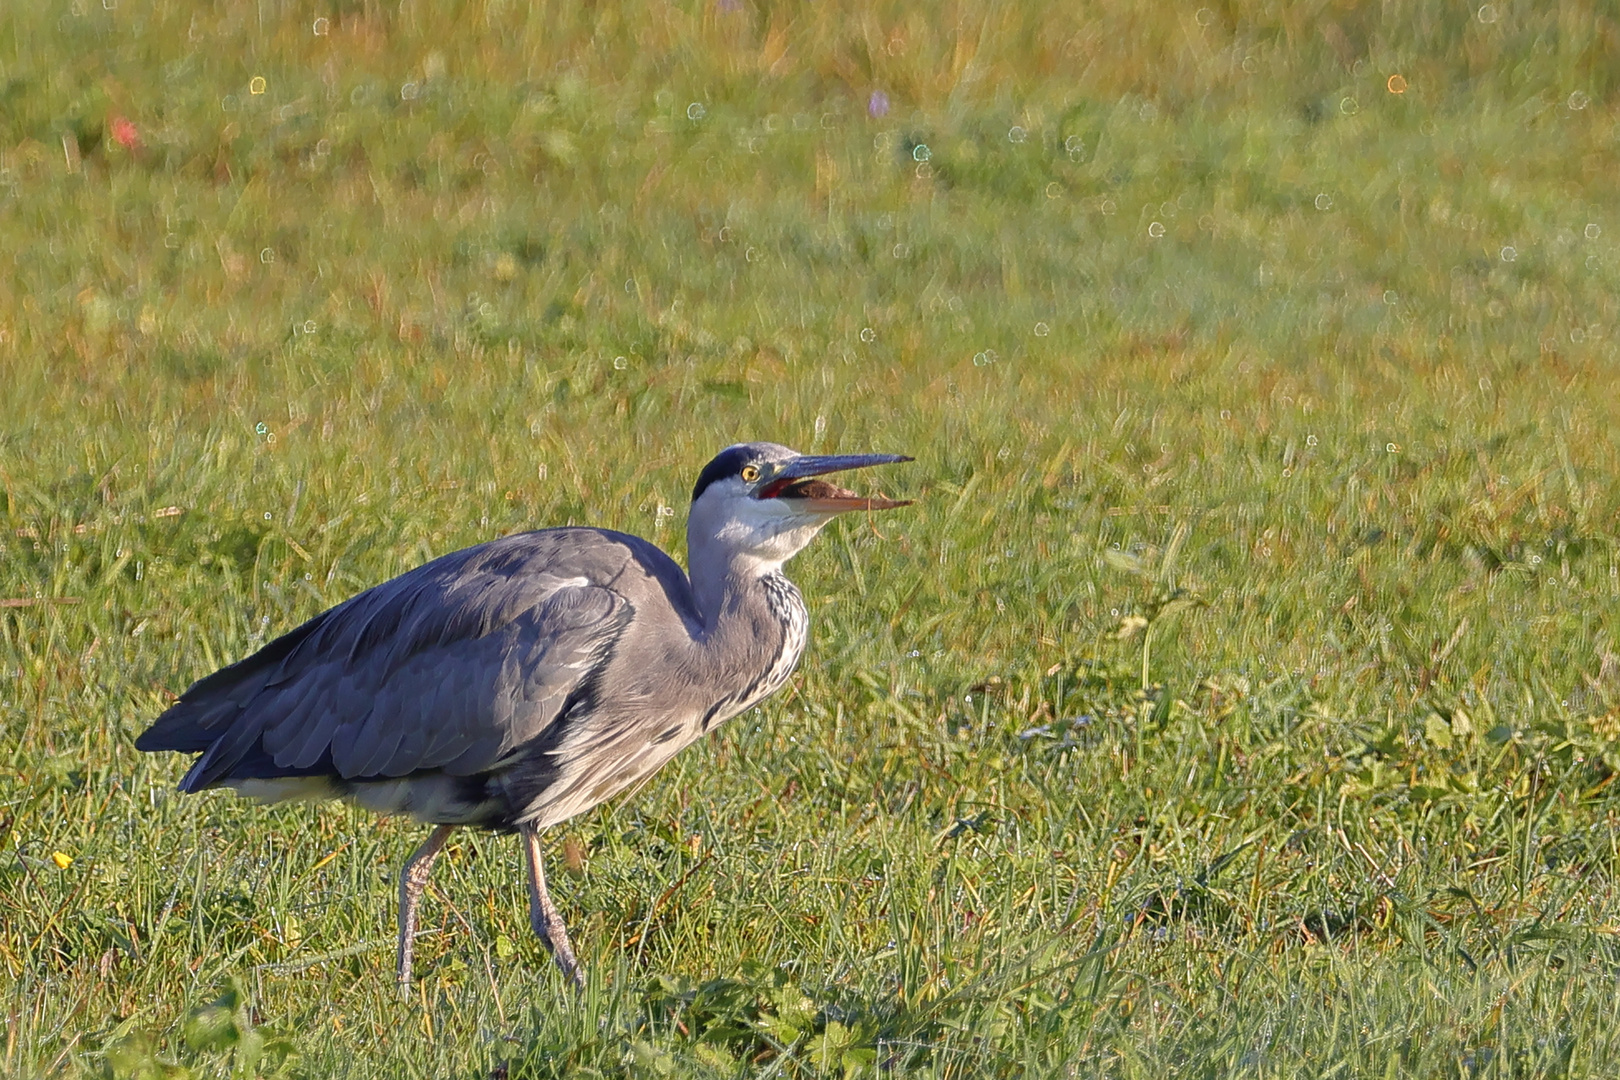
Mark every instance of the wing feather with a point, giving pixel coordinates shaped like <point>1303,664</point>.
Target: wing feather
<point>451,666</point>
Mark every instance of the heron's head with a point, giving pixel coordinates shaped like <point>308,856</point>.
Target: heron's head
<point>764,502</point>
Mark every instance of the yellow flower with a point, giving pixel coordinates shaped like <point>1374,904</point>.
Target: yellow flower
<point>62,860</point>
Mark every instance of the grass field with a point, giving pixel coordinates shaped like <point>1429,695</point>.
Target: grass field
<point>1241,697</point>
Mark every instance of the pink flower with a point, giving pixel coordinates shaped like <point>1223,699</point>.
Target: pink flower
<point>124,133</point>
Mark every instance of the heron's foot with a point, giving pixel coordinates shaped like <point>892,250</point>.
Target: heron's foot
<point>548,925</point>
<point>551,931</point>
<point>403,966</point>
<point>412,879</point>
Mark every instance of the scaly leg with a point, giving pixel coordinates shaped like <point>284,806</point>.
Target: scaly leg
<point>412,878</point>
<point>543,913</point>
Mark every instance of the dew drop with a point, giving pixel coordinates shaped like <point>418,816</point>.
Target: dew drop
<point>920,152</point>
<point>1578,101</point>
<point>1156,229</point>
<point>1041,329</point>
<point>1509,253</point>
<point>1016,134</point>
<point>1324,201</point>
<point>620,363</point>
<point>696,111</point>
<point>868,335</point>
<point>1593,230</point>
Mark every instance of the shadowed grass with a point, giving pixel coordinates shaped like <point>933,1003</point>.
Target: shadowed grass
<point>1239,699</point>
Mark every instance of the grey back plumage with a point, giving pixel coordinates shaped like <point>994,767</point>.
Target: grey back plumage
<point>454,666</point>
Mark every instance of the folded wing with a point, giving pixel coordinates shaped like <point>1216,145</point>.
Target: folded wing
<point>451,667</point>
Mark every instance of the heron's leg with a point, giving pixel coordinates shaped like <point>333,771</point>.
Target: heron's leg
<point>412,877</point>
<point>543,913</point>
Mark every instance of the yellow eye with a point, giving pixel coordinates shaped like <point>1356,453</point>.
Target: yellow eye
<point>750,473</point>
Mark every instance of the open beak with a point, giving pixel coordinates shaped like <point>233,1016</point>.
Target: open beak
<point>797,482</point>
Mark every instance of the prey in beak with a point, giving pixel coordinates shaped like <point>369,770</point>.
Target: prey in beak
<point>797,481</point>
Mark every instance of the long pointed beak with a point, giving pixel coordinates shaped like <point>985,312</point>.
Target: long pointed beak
<point>817,496</point>
<point>799,468</point>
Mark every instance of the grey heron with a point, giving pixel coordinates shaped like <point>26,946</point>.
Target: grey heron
<point>517,683</point>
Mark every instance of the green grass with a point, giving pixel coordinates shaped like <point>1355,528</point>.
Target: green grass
<point>1239,699</point>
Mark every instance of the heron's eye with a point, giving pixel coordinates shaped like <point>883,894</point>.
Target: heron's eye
<point>750,473</point>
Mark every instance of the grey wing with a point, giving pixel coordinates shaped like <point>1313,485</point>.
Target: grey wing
<point>450,667</point>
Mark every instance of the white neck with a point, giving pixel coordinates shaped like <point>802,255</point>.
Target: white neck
<point>731,545</point>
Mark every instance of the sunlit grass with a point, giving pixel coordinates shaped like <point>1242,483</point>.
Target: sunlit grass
<point>1239,698</point>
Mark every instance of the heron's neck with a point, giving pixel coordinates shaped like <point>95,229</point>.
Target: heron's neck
<point>730,569</point>
<point>755,629</point>
<point>730,589</point>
